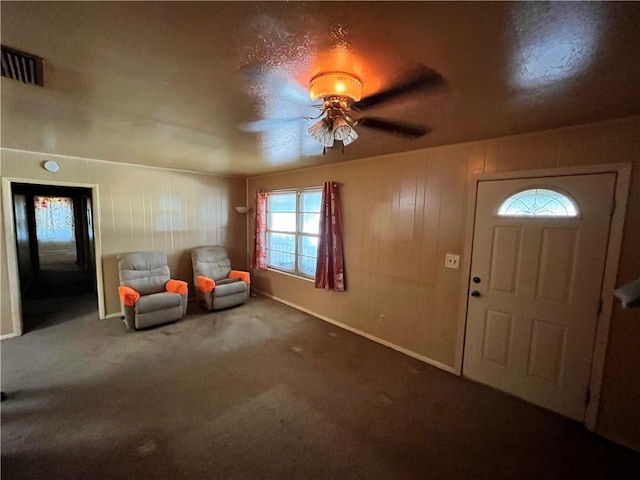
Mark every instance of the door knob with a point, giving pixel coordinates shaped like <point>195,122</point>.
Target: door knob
<point>475,293</point>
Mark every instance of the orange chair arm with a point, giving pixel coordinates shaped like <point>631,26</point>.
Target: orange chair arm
<point>177,286</point>
<point>246,278</point>
<point>128,295</point>
<point>205,284</point>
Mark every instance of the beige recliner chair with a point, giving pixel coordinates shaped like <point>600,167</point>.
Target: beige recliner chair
<point>148,294</point>
<point>217,285</point>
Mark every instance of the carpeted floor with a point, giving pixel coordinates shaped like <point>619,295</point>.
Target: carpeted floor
<point>263,391</point>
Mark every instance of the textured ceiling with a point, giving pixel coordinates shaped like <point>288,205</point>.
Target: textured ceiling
<point>220,87</point>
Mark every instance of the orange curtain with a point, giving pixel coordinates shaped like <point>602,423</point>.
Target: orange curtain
<point>330,264</point>
<point>259,258</point>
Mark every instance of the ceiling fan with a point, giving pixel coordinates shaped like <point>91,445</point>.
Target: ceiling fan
<point>340,94</point>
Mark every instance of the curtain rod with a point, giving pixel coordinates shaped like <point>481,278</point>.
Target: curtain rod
<point>277,190</point>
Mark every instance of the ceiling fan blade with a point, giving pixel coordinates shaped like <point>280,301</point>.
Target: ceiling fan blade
<point>422,79</point>
<point>390,126</point>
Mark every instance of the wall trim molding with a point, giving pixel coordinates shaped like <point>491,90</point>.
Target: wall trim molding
<point>9,335</point>
<point>621,194</point>
<point>59,155</point>
<point>12,257</point>
<point>368,336</point>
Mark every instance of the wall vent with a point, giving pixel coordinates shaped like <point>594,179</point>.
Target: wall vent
<point>22,66</point>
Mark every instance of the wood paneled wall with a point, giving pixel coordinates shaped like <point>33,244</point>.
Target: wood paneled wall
<point>142,208</point>
<point>403,213</point>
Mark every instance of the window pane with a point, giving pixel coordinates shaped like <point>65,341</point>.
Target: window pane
<point>307,266</point>
<point>283,261</point>
<point>310,201</point>
<point>54,219</point>
<point>308,246</point>
<point>281,202</point>
<point>293,225</point>
<point>310,223</point>
<point>281,242</point>
<point>538,202</point>
<point>282,222</point>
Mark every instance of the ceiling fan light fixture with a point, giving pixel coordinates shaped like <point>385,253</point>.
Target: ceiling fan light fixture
<point>350,137</point>
<point>342,129</point>
<point>335,84</point>
<point>322,132</point>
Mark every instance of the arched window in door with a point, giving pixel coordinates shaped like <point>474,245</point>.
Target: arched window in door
<point>538,202</point>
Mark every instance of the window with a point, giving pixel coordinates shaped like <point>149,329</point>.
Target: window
<point>538,202</point>
<point>54,219</point>
<point>293,227</point>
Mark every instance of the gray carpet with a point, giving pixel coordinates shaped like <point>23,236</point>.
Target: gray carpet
<point>264,391</point>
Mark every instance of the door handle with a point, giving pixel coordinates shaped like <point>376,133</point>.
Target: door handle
<point>475,293</point>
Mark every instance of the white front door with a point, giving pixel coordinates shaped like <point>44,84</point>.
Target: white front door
<point>535,286</point>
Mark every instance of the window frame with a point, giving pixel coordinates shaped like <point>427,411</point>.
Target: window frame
<point>298,233</point>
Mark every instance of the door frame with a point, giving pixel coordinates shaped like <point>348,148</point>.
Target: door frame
<point>623,178</point>
<point>12,253</point>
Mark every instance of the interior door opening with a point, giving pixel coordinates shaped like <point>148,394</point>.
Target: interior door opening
<point>55,253</point>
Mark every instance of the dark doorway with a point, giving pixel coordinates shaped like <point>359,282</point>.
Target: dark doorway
<point>56,256</point>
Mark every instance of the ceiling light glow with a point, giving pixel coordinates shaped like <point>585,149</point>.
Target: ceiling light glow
<point>333,84</point>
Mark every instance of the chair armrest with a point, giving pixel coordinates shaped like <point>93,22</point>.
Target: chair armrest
<point>246,278</point>
<point>128,295</point>
<point>177,286</point>
<point>205,284</point>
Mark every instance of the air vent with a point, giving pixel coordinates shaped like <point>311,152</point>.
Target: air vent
<point>22,66</point>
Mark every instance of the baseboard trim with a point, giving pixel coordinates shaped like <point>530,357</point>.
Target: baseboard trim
<point>8,335</point>
<point>366,335</point>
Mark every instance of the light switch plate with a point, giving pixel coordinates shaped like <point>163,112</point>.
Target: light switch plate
<point>452,261</point>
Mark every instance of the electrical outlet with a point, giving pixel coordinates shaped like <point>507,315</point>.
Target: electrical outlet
<point>382,318</point>
<point>452,261</point>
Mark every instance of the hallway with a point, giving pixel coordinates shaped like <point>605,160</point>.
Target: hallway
<point>59,293</point>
